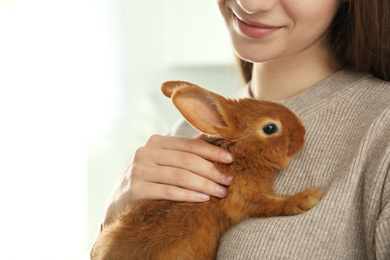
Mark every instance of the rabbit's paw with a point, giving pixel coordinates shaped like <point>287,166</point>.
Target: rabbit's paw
<point>303,201</point>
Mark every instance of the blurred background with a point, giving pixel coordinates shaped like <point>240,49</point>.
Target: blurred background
<point>79,92</point>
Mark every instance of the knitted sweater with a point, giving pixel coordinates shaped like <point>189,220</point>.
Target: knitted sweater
<point>347,154</point>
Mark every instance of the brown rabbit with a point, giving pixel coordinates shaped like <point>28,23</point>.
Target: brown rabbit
<point>262,136</point>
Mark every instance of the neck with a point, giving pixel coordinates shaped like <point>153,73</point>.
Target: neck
<point>285,78</point>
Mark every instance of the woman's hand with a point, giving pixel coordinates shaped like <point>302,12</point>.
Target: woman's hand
<point>171,168</point>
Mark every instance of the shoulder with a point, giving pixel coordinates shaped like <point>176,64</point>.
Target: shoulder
<point>373,96</point>
<point>359,96</point>
<point>374,82</point>
<point>373,92</point>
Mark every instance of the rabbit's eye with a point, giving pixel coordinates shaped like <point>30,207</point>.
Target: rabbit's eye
<point>270,129</point>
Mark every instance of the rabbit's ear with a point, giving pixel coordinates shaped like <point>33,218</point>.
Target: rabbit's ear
<point>168,87</point>
<point>201,108</point>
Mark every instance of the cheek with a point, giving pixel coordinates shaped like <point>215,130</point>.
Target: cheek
<point>312,17</point>
<point>310,21</point>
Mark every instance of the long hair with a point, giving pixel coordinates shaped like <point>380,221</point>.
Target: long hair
<point>359,36</point>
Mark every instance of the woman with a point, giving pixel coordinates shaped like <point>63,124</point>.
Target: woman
<point>329,61</point>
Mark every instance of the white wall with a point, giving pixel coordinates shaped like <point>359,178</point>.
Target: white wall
<point>79,92</point>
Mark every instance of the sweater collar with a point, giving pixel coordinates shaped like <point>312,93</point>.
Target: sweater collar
<point>320,94</point>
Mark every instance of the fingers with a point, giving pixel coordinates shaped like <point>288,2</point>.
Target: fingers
<point>178,168</point>
<point>156,191</point>
<point>192,163</point>
<point>186,153</point>
<point>191,145</point>
<point>186,179</point>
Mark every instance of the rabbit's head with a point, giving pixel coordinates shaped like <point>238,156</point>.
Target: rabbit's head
<point>252,129</point>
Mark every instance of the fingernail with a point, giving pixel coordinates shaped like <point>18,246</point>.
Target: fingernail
<point>204,197</point>
<point>226,156</point>
<point>222,191</point>
<point>227,179</point>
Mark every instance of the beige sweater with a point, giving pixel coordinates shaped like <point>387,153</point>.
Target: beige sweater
<point>347,154</point>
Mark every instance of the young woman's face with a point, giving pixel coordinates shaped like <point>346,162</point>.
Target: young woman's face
<point>266,30</point>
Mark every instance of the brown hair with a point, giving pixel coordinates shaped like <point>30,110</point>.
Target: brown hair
<point>359,36</point>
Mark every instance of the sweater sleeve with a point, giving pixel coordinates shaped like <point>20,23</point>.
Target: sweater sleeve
<point>382,234</point>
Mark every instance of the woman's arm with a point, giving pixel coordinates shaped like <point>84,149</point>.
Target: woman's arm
<point>170,168</point>
<point>382,233</point>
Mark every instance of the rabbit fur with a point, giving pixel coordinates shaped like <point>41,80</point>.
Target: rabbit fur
<point>262,137</point>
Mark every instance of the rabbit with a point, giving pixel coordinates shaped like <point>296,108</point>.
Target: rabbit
<point>262,137</point>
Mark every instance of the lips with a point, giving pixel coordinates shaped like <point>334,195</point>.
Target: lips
<point>254,30</point>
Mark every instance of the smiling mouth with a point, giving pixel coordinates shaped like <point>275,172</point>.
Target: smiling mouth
<point>254,30</point>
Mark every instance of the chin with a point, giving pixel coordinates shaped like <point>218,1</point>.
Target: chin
<point>255,54</point>
<point>254,57</point>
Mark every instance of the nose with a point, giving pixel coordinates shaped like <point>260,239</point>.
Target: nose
<point>253,6</point>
